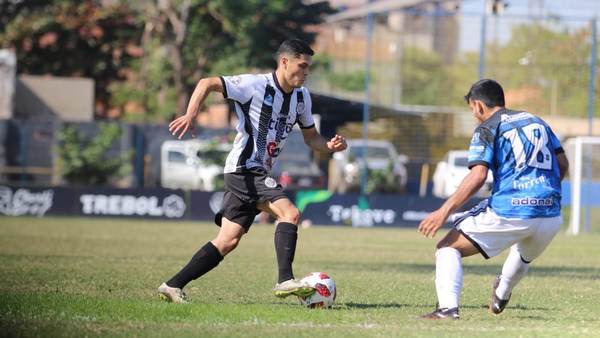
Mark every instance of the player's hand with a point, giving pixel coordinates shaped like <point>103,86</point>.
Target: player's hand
<point>337,143</point>
<point>181,125</point>
<point>432,223</point>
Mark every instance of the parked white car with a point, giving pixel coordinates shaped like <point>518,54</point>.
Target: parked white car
<point>451,171</point>
<point>344,173</point>
<point>192,164</point>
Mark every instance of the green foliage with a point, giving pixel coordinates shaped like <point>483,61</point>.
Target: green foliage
<point>86,161</point>
<point>422,77</point>
<point>546,64</point>
<point>426,80</point>
<point>353,81</point>
<point>73,38</point>
<point>95,277</point>
<point>147,57</point>
<point>382,180</point>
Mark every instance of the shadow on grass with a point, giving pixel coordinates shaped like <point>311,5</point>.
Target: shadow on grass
<point>352,305</point>
<point>592,273</point>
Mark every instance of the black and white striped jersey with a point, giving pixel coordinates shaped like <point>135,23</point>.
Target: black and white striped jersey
<point>266,116</point>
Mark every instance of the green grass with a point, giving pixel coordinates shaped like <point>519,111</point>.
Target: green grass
<point>90,277</point>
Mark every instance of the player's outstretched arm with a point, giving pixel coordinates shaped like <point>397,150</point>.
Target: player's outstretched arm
<point>467,188</point>
<point>182,124</point>
<point>315,141</point>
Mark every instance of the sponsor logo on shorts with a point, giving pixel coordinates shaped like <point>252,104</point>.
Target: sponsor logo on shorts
<point>533,202</point>
<point>270,182</point>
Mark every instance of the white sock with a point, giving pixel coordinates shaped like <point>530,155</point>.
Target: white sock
<point>513,270</point>
<point>448,277</point>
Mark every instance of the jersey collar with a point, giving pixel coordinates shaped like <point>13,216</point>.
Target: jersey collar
<point>279,86</point>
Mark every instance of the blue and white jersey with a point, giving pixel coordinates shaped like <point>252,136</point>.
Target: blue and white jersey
<point>520,149</point>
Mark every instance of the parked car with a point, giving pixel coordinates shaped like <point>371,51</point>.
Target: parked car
<point>451,171</point>
<point>345,168</point>
<point>298,173</point>
<point>193,164</point>
<point>295,168</point>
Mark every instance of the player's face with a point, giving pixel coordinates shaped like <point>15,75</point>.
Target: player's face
<point>296,69</point>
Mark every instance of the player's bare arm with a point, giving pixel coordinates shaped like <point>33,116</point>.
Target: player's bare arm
<point>182,124</point>
<point>563,164</point>
<point>467,188</point>
<point>315,141</point>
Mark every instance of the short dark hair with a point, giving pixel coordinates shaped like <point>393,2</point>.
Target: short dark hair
<point>487,91</point>
<point>295,47</point>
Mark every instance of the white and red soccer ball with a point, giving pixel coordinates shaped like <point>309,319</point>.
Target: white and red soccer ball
<point>325,290</point>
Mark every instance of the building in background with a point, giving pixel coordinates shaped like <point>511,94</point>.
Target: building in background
<point>399,26</point>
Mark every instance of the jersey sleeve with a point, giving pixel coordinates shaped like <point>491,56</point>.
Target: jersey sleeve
<point>481,149</point>
<point>305,119</point>
<point>554,142</point>
<point>238,87</point>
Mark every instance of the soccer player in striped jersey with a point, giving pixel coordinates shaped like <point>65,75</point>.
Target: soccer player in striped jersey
<point>267,106</point>
<point>523,212</point>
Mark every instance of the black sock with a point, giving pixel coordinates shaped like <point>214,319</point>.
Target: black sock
<point>202,262</point>
<point>286,235</point>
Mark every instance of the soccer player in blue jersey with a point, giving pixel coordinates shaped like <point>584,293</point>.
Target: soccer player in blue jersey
<point>523,212</point>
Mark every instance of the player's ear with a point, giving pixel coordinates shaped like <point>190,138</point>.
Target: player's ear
<point>479,107</point>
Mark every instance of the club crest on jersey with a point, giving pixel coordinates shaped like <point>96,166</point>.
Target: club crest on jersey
<point>300,108</point>
<point>236,80</point>
<point>270,182</point>
<point>269,100</point>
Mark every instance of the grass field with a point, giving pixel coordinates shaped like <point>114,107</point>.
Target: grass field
<point>91,277</point>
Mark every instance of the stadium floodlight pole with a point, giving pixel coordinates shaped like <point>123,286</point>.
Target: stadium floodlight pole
<point>483,39</point>
<point>364,172</point>
<point>591,108</point>
<point>592,82</point>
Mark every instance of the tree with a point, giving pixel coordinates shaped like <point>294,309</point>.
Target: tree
<point>73,38</point>
<point>147,56</point>
<point>548,64</point>
<point>85,160</point>
<point>198,38</point>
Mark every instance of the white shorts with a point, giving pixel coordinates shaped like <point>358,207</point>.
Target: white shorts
<point>491,234</point>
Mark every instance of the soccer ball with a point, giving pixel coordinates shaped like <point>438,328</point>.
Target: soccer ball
<point>325,290</point>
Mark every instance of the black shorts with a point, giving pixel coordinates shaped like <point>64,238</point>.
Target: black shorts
<point>243,191</point>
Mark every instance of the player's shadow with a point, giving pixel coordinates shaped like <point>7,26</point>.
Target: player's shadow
<point>569,272</point>
<point>352,305</point>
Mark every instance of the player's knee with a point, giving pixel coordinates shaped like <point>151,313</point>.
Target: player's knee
<point>226,245</point>
<point>291,215</point>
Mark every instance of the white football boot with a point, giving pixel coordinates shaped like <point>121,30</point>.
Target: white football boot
<point>174,295</point>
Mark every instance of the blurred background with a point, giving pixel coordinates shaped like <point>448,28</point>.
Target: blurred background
<point>87,89</point>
